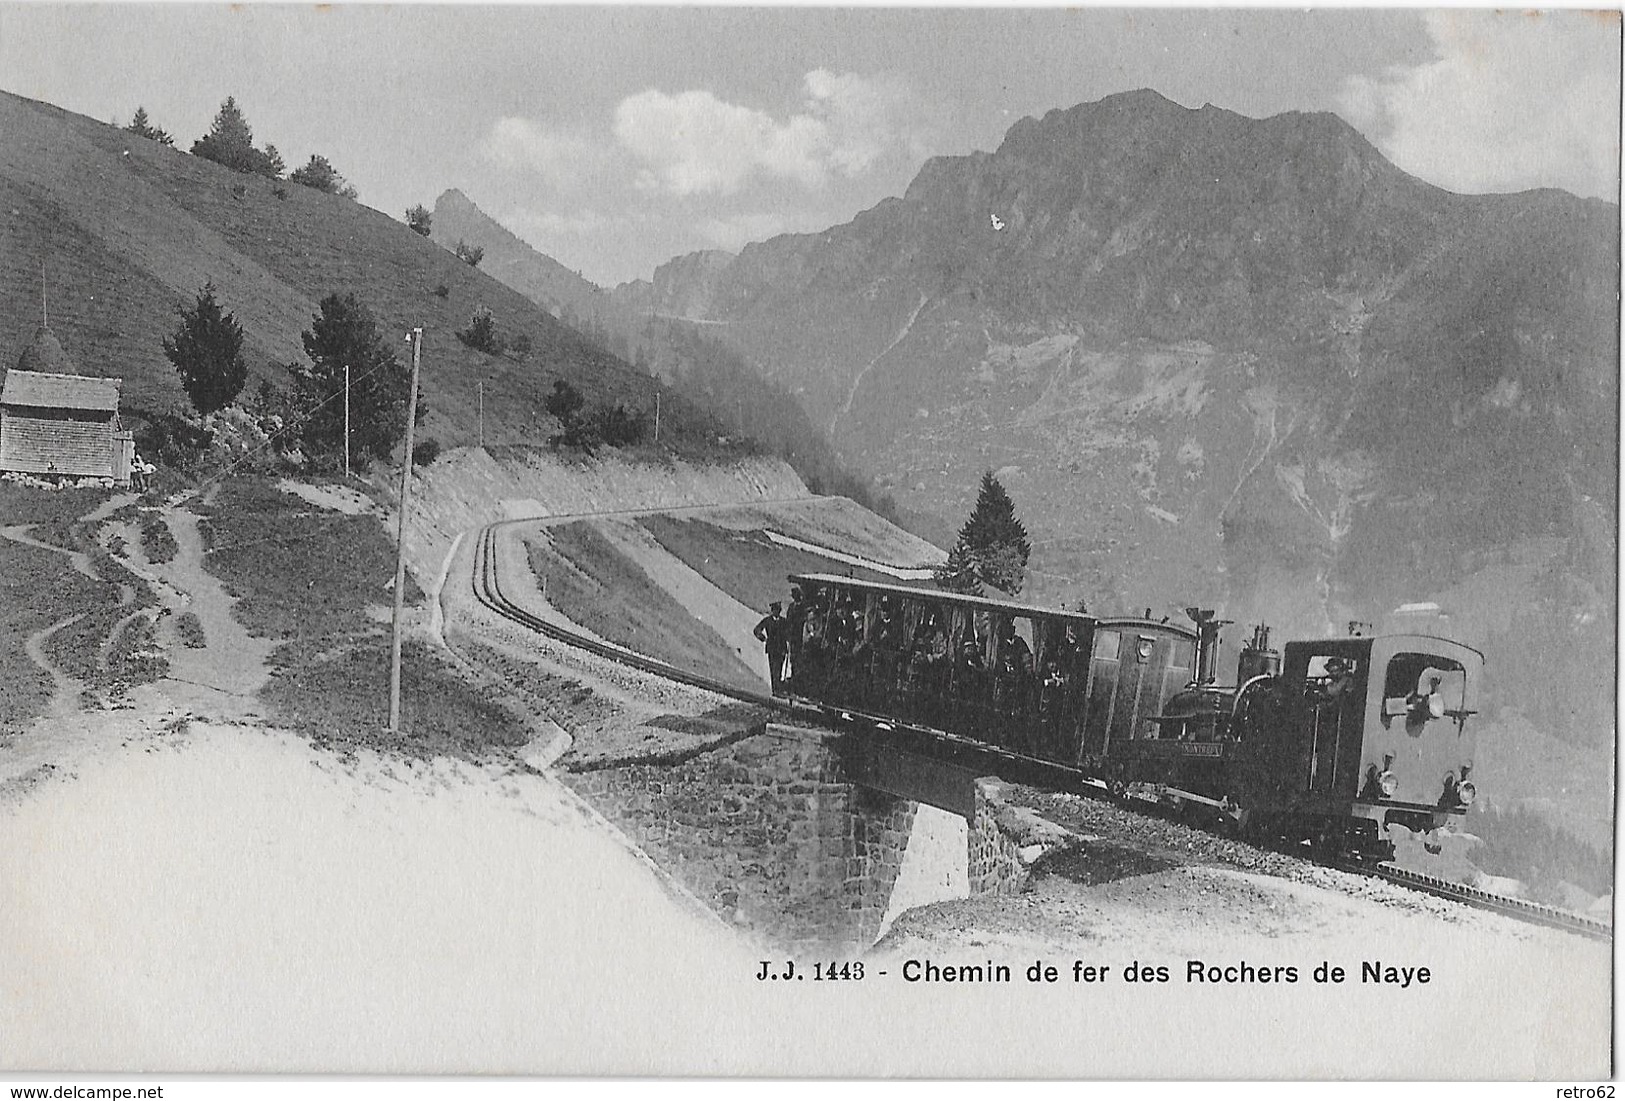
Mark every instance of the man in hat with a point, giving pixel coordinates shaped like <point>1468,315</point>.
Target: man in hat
<point>1339,678</point>
<point>774,633</point>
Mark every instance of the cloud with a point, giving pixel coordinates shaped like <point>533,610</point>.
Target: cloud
<point>565,161</point>
<point>547,224</point>
<point>693,143</point>
<point>1513,101</point>
<point>736,231</point>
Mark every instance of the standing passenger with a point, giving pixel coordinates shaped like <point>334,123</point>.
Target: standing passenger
<point>795,623</point>
<point>773,632</point>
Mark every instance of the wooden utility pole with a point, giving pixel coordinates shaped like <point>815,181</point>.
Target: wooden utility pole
<point>346,422</point>
<point>657,416</point>
<point>416,337</point>
<point>482,412</point>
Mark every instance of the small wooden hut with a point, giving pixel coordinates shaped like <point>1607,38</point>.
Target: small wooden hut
<point>58,423</point>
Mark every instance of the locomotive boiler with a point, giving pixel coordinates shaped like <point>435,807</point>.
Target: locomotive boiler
<point>1332,741</point>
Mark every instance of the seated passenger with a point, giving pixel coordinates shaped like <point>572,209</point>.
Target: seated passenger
<point>930,649</point>
<point>1015,662</point>
<point>874,659</point>
<point>968,665</point>
<point>1012,687</point>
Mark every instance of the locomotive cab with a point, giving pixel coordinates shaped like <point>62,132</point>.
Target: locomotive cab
<point>1417,760</point>
<point>1375,731</point>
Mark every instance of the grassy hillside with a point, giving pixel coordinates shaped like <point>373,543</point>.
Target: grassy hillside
<point>125,230</point>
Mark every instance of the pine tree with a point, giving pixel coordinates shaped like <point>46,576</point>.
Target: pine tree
<point>344,333</point>
<point>230,141</point>
<point>207,351</point>
<point>142,126</point>
<point>992,547</point>
<point>958,574</point>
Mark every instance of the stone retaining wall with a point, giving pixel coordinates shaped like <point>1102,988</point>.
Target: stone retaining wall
<point>994,854</point>
<point>771,833</point>
<point>1006,840</point>
<point>768,833</point>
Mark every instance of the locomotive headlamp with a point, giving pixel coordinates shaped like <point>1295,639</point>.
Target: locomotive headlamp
<point>1387,783</point>
<point>1466,792</point>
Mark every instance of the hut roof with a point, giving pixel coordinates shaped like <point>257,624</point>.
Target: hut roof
<point>60,391</point>
<point>46,355</point>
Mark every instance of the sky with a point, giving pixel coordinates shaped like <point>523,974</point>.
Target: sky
<point>614,138</point>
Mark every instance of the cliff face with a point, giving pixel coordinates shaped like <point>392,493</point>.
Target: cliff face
<point>1224,359</point>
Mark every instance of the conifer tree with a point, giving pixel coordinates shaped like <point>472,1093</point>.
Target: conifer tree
<point>207,350</point>
<point>992,547</point>
<point>958,574</point>
<point>230,142</point>
<point>143,126</point>
<point>344,333</point>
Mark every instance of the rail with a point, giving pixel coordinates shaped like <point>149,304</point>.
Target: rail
<point>1520,908</point>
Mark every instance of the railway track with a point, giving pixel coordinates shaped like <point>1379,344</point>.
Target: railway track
<point>488,591</point>
<point>1519,908</point>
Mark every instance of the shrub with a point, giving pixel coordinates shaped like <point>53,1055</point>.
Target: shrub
<point>172,441</point>
<point>520,346</point>
<point>442,291</point>
<point>190,629</point>
<point>481,334</point>
<point>588,429</point>
<point>156,539</point>
<point>469,254</point>
<point>419,218</point>
<point>425,453</point>
<point>322,176</point>
<point>619,428</point>
<point>564,402</point>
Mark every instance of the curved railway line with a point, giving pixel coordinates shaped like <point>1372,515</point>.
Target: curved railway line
<point>488,591</point>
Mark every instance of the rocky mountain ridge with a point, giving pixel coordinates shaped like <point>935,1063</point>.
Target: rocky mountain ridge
<point>1230,360</point>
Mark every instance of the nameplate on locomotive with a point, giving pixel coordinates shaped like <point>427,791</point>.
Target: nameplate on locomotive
<point>1157,747</point>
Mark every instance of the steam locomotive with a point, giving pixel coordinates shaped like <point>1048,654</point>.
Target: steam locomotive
<point>1331,742</point>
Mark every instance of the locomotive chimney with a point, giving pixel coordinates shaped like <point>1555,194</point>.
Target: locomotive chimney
<point>1256,658</point>
<point>1207,643</point>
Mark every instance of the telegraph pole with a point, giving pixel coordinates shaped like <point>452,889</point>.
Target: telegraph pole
<point>657,416</point>
<point>482,413</point>
<point>416,339</point>
<point>347,422</point>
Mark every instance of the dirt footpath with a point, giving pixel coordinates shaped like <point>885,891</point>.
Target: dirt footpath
<point>217,680</point>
